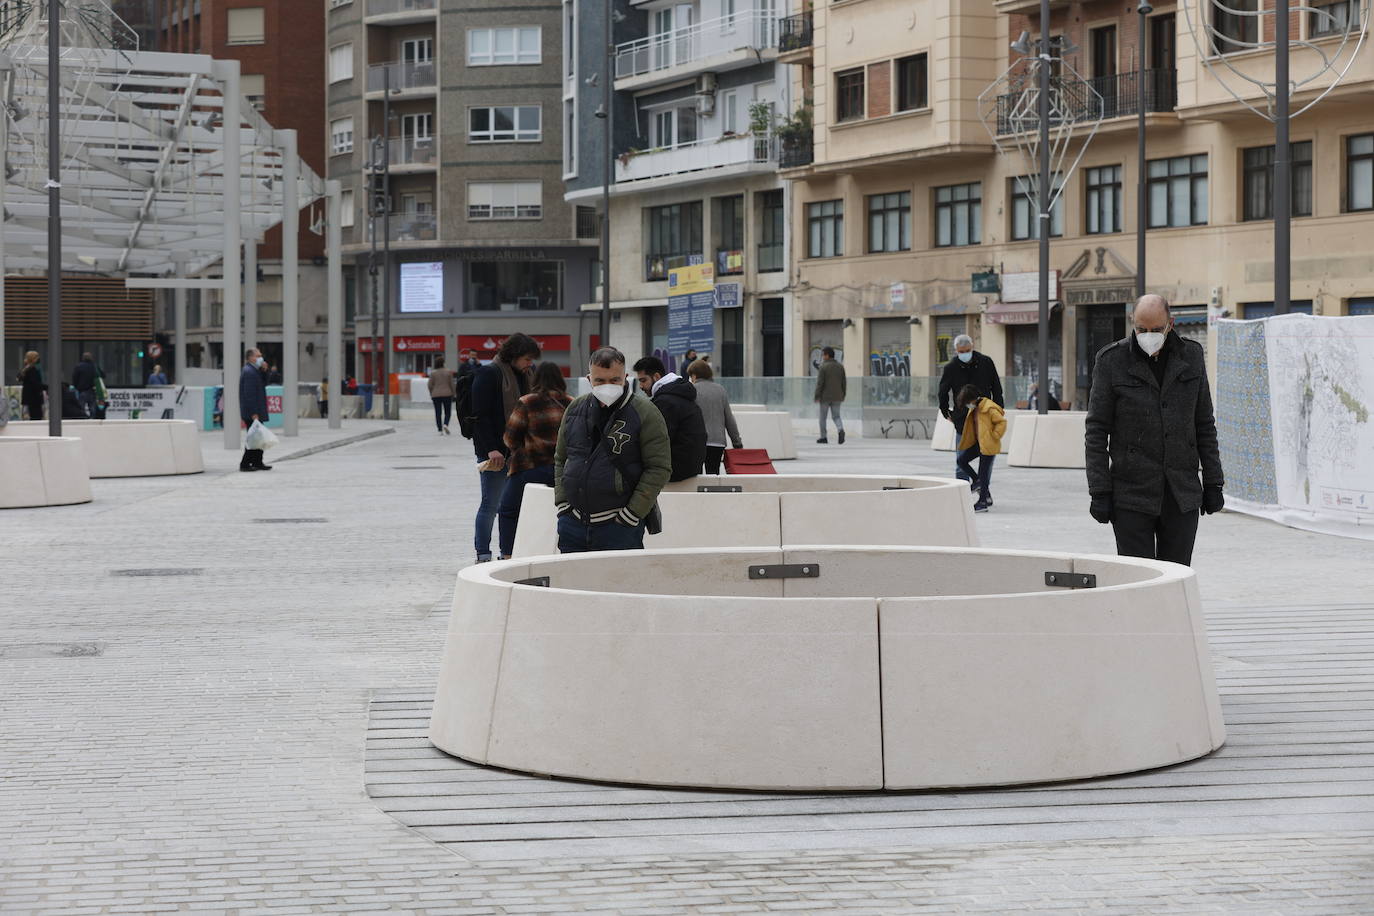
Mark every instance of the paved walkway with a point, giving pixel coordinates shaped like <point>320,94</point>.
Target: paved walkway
<point>188,667</point>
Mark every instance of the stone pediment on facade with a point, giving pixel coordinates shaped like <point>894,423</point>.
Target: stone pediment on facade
<point>1099,276</point>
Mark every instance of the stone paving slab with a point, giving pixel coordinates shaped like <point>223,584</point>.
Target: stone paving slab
<point>198,742</point>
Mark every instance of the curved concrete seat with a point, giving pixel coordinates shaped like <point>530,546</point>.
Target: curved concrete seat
<point>41,471</point>
<point>768,429</point>
<point>1049,440</point>
<point>776,509</point>
<point>747,408</point>
<point>943,438</point>
<point>877,667</point>
<point>129,448</point>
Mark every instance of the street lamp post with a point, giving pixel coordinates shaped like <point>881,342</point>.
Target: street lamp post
<point>386,242</point>
<point>1045,204</point>
<point>1283,164</point>
<point>54,218</point>
<point>1141,215</point>
<point>605,115</point>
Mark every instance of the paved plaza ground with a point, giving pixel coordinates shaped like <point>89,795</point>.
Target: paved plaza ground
<point>213,692</point>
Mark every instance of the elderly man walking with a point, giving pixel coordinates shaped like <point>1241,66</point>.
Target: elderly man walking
<point>1150,428</point>
<point>967,367</point>
<point>252,406</point>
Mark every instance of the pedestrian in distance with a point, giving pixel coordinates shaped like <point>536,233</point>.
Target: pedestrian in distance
<point>967,367</point>
<point>323,397</point>
<point>31,391</point>
<point>612,460</point>
<point>532,437</point>
<point>831,387</point>
<point>715,410</point>
<point>274,376</point>
<point>441,392</point>
<point>687,359</point>
<point>252,405</point>
<point>157,376</point>
<point>496,388</point>
<point>1149,430</point>
<point>468,363</point>
<point>984,425</point>
<point>85,375</point>
<point>1033,402</point>
<point>676,399</point>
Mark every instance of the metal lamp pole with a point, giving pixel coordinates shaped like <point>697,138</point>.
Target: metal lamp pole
<point>54,219</point>
<point>1141,216</point>
<point>1045,196</point>
<point>386,242</point>
<point>1283,164</point>
<point>605,115</point>
<point>373,166</point>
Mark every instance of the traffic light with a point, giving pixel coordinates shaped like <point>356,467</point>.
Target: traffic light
<point>140,354</point>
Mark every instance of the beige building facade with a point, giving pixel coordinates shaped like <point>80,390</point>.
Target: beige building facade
<point>906,197</point>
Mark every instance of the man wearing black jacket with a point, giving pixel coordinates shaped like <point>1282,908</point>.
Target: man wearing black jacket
<point>84,375</point>
<point>676,399</point>
<point>967,367</point>
<point>496,387</point>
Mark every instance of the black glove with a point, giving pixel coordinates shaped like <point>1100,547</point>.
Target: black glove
<point>1101,509</point>
<point>947,413</point>
<point>1212,500</point>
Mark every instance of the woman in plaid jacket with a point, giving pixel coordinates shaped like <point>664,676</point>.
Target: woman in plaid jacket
<point>531,435</point>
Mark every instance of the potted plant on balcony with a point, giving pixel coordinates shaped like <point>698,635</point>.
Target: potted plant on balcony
<point>794,135</point>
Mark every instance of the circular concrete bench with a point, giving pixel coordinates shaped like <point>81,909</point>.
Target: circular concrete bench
<point>41,471</point>
<point>768,429</point>
<point>129,448</point>
<point>775,509</point>
<point>944,438</point>
<point>1049,440</point>
<point>831,668</point>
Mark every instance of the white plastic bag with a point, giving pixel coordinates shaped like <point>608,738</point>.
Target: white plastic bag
<point>259,437</point>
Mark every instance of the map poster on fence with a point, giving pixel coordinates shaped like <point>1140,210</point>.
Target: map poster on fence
<point>691,309</point>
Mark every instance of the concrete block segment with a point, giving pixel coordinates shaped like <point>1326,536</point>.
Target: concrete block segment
<point>768,429</point>
<point>1050,440</point>
<point>41,471</point>
<point>128,448</point>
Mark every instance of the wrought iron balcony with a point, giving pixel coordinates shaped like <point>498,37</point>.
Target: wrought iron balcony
<point>794,33</point>
<point>1077,103</point>
<point>795,153</point>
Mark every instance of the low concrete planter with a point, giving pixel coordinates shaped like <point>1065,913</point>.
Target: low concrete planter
<point>768,429</point>
<point>944,439</point>
<point>772,510</point>
<point>36,470</point>
<point>129,448</point>
<point>856,668</point>
<point>1049,440</point>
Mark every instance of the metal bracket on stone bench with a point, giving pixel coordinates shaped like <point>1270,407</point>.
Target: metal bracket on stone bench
<point>537,581</point>
<point>786,571</point>
<point>897,488</point>
<point>724,489</point>
<point>1070,580</point>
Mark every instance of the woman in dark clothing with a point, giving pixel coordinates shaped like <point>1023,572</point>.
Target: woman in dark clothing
<point>31,378</point>
<point>531,435</point>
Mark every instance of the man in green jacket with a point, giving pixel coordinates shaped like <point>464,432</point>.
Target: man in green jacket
<point>831,386</point>
<point>612,460</point>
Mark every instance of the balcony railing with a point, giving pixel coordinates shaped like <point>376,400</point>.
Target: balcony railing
<point>1118,99</point>
<point>750,30</point>
<point>406,74</point>
<point>656,266</point>
<point>794,33</point>
<point>796,153</point>
<point>390,7</point>
<point>712,153</point>
<point>412,150</point>
<point>409,226</point>
<point>729,261</point>
<point>770,257</point>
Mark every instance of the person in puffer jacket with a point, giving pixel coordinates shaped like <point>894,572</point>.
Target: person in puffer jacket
<point>676,399</point>
<point>612,460</point>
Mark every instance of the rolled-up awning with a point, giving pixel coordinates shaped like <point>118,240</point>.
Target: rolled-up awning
<point>1015,312</point>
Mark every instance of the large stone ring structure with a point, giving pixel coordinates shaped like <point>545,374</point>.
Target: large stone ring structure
<point>827,668</point>
<point>769,510</point>
<point>39,470</point>
<point>128,448</point>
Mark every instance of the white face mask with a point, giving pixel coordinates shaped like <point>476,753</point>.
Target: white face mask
<point>608,394</point>
<point>1150,341</point>
<point>259,362</point>
<point>965,356</point>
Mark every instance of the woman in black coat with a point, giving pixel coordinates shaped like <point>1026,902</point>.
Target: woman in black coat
<point>31,378</point>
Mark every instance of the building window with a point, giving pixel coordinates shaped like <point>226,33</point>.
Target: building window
<point>515,286</point>
<point>772,227</point>
<point>569,38</point>
<point>674,127</point>
<point>1333,18</point>
<point>246,26</point>
<point>1359,172</point>
<point>493,47</point>
<point>1252,310</point>
<point>1178,191</point>
<point>849,95</point>
<point>341,63</point>
<point>825,229</point>
<point>504,124</point>
<point>505,200</point>
<point>1235,31</point>
<point>889,222</point>
<point>346,214</point>
<point>1259,181</point>
<point>341,136</point>
<point>1103,199</point>
<point>1025,222</point>
<point>730,228</point>
<point>254,89</point>
<point>570,137</point>
<point>911,83</point>
<point>674,238</point>
<point>959,215</point>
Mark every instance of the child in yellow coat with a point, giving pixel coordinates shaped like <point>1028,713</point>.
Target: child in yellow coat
<point>981,439</point>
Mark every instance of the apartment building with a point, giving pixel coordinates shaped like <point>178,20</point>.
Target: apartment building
<point>279,45</point>
<point>697,96</point>
<point>941,238</point>
<point>467,100</point>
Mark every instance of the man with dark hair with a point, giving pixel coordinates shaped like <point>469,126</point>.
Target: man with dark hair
<point>1149,430</point>
<point>831,387</point>
<point>84,375</point>
<point>496,388</point>
<point>676,399</point>
<point>612,460</point>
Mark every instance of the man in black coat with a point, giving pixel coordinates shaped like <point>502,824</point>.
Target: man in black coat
<point>1149,429</point>
<point>84,375</point>
<point>676,399</point>
<point>252,406</point>
<point>496,388</point>
<point>967,367</point>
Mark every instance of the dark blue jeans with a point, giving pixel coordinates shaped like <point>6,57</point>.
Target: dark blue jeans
<point>443,409</point>
<point>579,537</point>
<point>493,486</point>
<point>512,499</point>
<point>984,475</point>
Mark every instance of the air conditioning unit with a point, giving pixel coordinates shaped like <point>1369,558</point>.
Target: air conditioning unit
<point>706,84</point>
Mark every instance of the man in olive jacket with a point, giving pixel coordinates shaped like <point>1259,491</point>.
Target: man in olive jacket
<point>1149,428</point>
<point>831,387</point>
<point>612,460</point>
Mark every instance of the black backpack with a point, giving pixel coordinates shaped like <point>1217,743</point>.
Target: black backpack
<point>462,404</point>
